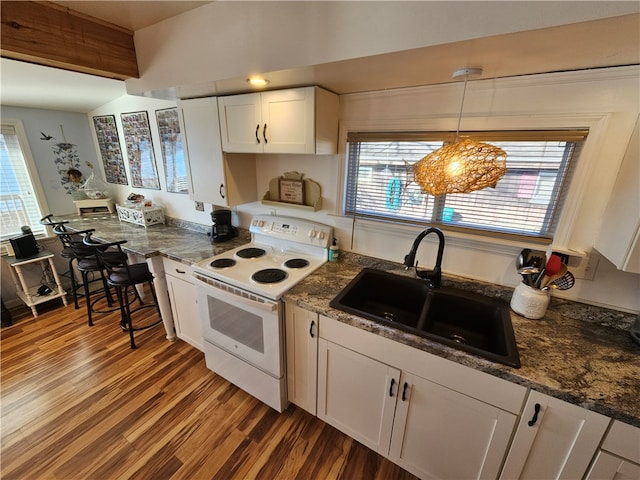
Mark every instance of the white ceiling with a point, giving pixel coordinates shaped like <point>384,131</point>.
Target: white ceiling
<point>569,47</point>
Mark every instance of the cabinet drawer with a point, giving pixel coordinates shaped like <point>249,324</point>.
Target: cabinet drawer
<point>177,269</point>
<point>623,440</point>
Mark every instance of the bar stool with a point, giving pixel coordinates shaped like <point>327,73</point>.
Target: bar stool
<point>74,251</point>
<point>91,269</point>
<point>66,253</point>
<point>123,276</point>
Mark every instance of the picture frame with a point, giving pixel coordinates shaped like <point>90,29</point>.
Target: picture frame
<point>142,161</point>
<point>109,143</point>
<point>171,143</point>
<point>291,191</point>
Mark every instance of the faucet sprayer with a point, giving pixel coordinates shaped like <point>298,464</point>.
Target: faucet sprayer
<point>434,276</point>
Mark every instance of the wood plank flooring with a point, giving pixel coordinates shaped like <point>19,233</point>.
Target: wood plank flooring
<point>78,403</point>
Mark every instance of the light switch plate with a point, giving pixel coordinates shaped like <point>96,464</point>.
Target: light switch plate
<point>200,206</point>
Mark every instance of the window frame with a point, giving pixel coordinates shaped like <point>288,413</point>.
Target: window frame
<point>568,134</point>
<point>32,170</point>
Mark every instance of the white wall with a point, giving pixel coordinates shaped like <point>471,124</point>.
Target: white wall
<point>77,131</point>
<point>605,101</point>
<point>225,40</point>
<point>176,205</point>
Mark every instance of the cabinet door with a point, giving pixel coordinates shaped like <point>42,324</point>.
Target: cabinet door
<point>288,121</point>
<point>440,433</point>
<point>619,238</point>
<point>357,395</point>
<point>241,125</point>
<point>610,467</point>
<point>302,357</point>
<point>554,440</point>
<point>201,132</point>
<point>182,295</point>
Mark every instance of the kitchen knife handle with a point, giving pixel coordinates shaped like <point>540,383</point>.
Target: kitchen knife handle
<point>257,130</point>
<point>264,133</point>
<point>534,419</point>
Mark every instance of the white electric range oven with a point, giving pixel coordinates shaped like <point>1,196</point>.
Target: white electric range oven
<point>239,299</point>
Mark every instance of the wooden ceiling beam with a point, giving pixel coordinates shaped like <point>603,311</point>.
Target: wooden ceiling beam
<point>48,34</point>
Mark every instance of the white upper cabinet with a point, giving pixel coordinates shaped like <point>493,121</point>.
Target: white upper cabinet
<point>619,238</point>
<point>299,120</point>
<point>213,178</point>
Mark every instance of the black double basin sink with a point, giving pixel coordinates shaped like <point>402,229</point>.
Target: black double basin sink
<point>464,320</point>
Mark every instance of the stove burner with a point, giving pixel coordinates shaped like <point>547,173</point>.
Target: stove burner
<point>269,275</point>
<point>251,252</point>
<point>223,263</point>
<point>296,263</point>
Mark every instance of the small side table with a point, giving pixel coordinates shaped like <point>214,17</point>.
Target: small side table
<point>28,294</point>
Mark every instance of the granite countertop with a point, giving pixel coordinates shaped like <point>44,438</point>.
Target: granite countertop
<point>577,353</point>
<point>172,241</point>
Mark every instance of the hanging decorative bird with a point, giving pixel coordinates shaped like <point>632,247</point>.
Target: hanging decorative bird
<point>46,137</point>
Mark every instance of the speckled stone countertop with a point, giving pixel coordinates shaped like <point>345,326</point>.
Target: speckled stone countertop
<point>577,353</point>
<point>170,240</point>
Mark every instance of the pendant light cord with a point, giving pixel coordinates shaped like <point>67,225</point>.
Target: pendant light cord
<point>464,92</point>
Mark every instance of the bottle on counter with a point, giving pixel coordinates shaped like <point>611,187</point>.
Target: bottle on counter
<point>334,251</point>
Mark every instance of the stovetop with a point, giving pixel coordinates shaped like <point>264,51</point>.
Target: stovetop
<point>281,253</point>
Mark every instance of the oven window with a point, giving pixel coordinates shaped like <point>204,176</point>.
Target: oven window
<point>238,324</point>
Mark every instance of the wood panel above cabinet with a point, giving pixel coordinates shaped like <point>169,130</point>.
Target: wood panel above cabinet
<point>300,120</point>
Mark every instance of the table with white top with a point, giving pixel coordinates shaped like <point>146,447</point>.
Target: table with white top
<point>29,294</point>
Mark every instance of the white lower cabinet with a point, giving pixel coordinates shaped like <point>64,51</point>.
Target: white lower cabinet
<point>301,330</point>
<point>619,457</point>
<point>182,295</point>
<point>440,433</point>
<point>554,440</point>
<point>441,420</point>
<point>357,395</point>
<point>432,427</point>
<point>610,467</point>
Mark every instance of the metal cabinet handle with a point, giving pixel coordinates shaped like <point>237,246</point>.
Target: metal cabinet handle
<point>257,130</point>
<point>393,381</point>
<point>264,133</point>
<point>534,419</point>
<point>221,190</point>
<point>180,271</point>
<point>404,391</point>
<point>311,328</point>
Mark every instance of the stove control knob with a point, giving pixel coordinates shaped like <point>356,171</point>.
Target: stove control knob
<point>321,235</point>
<point>312,234</point>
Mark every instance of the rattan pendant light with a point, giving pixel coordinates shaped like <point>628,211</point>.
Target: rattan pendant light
<point>463,166</point>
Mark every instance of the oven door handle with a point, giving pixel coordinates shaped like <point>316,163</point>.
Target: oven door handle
<point>228,293</point>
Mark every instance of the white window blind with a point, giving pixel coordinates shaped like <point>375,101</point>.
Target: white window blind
<point>19,204</point>
<point>527,201</point>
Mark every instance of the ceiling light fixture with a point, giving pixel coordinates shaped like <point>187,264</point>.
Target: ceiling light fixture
<point>257,81</point>
<point>463,166</point>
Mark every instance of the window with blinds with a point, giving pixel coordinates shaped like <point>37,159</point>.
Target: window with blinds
<point>526,202</point>
<point>19,204</point>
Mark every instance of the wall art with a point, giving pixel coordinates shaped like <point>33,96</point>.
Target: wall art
<point>109,143</point>
<point>137,138</point>
<point>175,169</point>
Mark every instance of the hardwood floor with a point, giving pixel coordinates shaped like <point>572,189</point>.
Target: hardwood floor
<point>78,403</point>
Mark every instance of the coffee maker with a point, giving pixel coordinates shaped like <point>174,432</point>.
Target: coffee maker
<point>222,230</point>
